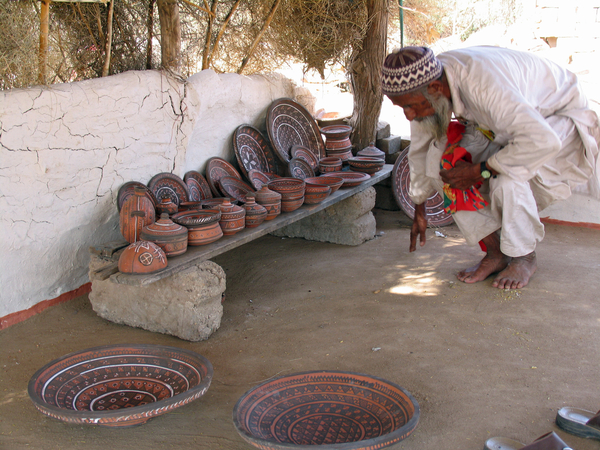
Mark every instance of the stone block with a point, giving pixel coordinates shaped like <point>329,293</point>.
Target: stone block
<point>349,222</point>
<point>186,305</point>
<point>383,130</point>
<point>392,144</point>
<point>385,198</point>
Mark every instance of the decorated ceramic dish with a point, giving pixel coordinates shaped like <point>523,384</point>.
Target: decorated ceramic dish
<point>299,151</point>
<point>326,410</point>
<point>290,124</point>
<point>168,185</point>
<point>351,179</point>
<point>128,189</point>
<point>197,217</point>
<point>251,150</point>
<point>299,168</point>
<point>197,186</point>
<point>217,168</point>
<point>434,206</point>
<point>333,182</point>
<point>235,188</point>
<point>119,385</point>
<point>258,178</point>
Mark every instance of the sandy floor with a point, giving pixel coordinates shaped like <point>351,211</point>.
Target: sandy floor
<point>481,362</point>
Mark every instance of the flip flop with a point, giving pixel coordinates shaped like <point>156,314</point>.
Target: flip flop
<point>549,441</point>
<point>579,422</point>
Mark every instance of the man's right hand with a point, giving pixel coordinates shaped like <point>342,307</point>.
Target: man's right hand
<point>419,227</point>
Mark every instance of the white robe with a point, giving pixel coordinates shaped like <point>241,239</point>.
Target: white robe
<point>546,141</point>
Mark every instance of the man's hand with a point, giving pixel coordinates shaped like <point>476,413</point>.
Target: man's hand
<point>419,227</point>
<point>462,176</point>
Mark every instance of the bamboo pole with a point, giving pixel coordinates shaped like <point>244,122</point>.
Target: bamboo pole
<point>259,36</point>
<point>109,33</point>
<point>43,54</point>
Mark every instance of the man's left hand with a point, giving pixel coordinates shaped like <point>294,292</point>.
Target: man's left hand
<point>462,176</point>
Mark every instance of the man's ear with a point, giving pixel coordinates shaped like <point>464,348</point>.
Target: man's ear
<point>435,87</point>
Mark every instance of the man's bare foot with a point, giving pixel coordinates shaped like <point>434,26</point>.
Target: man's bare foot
<point>494,261</point>
<point>517,273</point>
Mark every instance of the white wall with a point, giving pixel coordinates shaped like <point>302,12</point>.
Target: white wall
<point>66,149</point>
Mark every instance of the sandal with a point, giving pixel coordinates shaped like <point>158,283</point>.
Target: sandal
<point>579,422</point>
<point>549,441</point>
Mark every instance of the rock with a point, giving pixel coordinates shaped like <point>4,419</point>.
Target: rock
<point>186,305</point>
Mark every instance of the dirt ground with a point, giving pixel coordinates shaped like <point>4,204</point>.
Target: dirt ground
<point>481,362</point>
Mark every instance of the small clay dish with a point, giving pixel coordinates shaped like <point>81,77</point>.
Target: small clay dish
<point>195,218</point>
<point>316,193</point>
<point>330,164</point>
<point>366,164</point>
<point>333,182</point>
<point>351,179</point>
<point>289,188</point>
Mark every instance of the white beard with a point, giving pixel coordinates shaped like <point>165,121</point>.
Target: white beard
<point>437,124</point>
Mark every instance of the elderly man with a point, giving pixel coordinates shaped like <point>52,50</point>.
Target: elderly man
<point>523,139</point>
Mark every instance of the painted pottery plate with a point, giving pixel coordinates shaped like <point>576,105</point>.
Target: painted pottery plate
<point>119,385</point>
<point>236,188</point>
<point>326,410</point>
<point>289,124</point>
<point>197,186</point>
<point>217,168</point>
<point>127,191</point>
<point>434,206</point>
<point>251,150</point>
<point>351,179</point>
<point>299,168</point>
<point>258,178</point>
<point>299,151</point>
<point>168,185</point>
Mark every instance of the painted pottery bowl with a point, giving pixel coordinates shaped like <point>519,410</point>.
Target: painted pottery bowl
<point>366,164</point>
<point>203,225</point>
<point>233,218</point>
<point>351,179</point>
<point>316,194</point>
<point>333,182</point>
<point>168,235</point>
<point>292,204</point>
<point>289,188</point>
<point>344,154</point>
<point>188,206</point>
<point>372,152</point>
<point>336,131</point>
<point>119,385</point>
<point>331,410</point>
<point>330,164</point>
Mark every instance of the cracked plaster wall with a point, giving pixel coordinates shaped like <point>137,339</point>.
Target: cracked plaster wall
<point>66,149</point>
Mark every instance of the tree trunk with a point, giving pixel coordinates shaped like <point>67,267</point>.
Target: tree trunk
<point>108,48</point>
<point>43,54</point>
<point>170,34</point>
<point>150,26</point>
<point>365,76</point>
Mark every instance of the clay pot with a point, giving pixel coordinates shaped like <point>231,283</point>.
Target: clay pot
<point>233,218</point>
<point>142,257</point>
<point>316,193</point>
<point>166,206</point>
<point>255,213</point>
<point>168,235</point>
<point>371,152</point>
<point>365,164</point>
<point>188,206</point>
<point>333,182</point>
<point>137,211</point>
<point>271,200</point>
<point>330,164</point>
<point>290,205</point>
<point>202,225</point>
<point>337,137</point>
<point>289,188</point>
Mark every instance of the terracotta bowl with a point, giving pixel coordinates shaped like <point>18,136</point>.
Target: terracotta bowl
<point>366,164</point>
<point>119,385</point>
<point>316,194</point>
<point>203,225</point>
<point>291,205</point>
<point>351,179</point>
<point>289,188</point>
<point>331,410</point>
<point>330,164</point>
<point>333,182</point>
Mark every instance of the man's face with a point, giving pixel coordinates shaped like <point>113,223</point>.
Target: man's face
<point>433,111</point>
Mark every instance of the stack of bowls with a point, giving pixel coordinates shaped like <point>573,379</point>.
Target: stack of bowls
<point>330,164</point>
<point>315,193</point>
<point>337,141</point>
<point>203,225</point>
<point>333,182</point>
<point>291,190</point>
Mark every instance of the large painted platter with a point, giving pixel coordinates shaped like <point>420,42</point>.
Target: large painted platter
<point>434,206</point>
<point>252,150</point>
<point>197,186</point>
<point>217,168</point>
<point>290,124</point>
<point>168,185</point>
